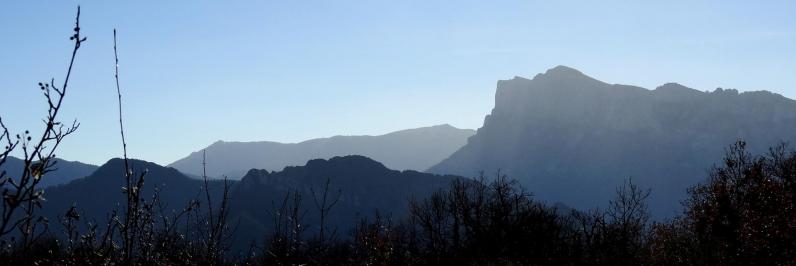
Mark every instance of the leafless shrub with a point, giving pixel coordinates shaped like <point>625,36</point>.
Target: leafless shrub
<point>21,195</point>
<point>324,205</point>
<point>286,244</point>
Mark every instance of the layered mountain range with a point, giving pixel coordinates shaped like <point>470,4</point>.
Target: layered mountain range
<point>568,138</point>
<point>571,138</point>
<point>360,186</point>
<point>411,149</point>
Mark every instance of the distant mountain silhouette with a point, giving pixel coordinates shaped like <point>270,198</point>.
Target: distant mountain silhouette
<point>411,149</point>
<point>365,187</point>
<point>571,138</point>
<point>65,171</point>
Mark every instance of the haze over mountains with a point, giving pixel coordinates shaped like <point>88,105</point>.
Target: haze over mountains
<point>568,138</point>
<point>571,138</point>
<point>411,149</point>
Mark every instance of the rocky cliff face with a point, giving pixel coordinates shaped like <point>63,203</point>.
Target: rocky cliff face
<point>571,138</point>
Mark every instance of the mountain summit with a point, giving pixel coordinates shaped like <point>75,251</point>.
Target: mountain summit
<point>571,138</point>
<point>563,73</point>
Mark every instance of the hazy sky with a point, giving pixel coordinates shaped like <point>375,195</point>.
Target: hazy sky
<point>194,72</point>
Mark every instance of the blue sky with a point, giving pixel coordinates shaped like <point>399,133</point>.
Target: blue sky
<point>194,72</point>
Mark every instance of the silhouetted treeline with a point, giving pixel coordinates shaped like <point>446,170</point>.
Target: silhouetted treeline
<point>743,214</point>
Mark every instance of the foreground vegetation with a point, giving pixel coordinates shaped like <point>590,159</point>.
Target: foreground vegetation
<point>743,214</point>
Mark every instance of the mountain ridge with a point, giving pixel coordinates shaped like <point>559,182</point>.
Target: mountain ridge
<point>96,195</point>
<point>415,149</point>
<point>365,187</point>
<point>563,131</point>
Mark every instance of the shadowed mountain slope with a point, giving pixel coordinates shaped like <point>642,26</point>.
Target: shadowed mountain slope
<point>364,185</point>
<point>571,138</point>
<point>101,192</point>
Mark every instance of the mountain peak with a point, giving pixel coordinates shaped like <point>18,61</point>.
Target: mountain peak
<point>565,74</point>
<point>563,70</point>
<point>435,128</point>
<point>564,130</point>
<point>672,86</point>
<point>675,92</point>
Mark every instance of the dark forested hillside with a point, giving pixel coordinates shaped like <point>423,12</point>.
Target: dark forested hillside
<point>365,188</point>
<point>103,191</point>
<point>571,138</point>
<point>353,211</point>
<point>359,186</point>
